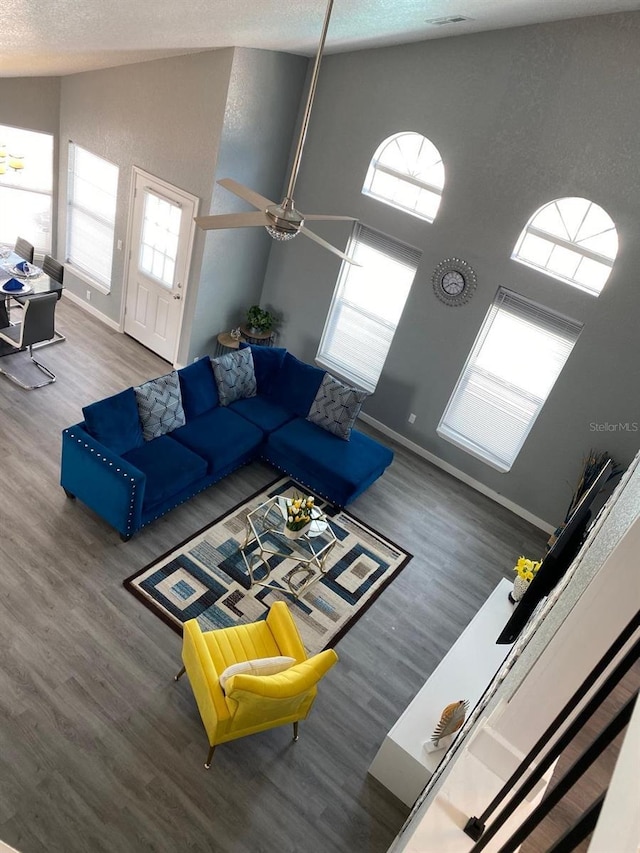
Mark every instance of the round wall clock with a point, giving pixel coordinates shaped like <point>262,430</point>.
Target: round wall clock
<point>454,281</point>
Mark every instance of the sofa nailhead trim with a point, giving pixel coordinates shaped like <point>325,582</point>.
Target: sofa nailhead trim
<point>302,483</point>
<point>118,470</point>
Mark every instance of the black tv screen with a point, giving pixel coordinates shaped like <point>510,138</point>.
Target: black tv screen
<point>562,552</point>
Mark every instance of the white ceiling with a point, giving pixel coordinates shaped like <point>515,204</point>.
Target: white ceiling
<point>55,37</point>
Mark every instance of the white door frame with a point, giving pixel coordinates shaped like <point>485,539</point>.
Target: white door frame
<point>136,172</point>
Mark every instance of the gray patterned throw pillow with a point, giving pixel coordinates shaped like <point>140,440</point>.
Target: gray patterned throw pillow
<point>336,406</point>
<point>160,405</point>
<point>235,376</point>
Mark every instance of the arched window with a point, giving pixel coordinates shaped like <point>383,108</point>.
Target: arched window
<point>571,239</point>
<point>407,172</point>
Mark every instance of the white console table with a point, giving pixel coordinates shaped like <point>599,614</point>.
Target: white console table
<point>401,764</point>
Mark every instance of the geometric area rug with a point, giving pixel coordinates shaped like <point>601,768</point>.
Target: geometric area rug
<point>205,577</point>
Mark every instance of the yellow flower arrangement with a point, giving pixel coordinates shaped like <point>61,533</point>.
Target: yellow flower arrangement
<point>299,511</point>
<point>526,569</point>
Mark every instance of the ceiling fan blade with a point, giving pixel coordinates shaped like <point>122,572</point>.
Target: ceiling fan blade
<point>322,216</point>
<point>231,220</point>
<point>251,196</point>
<point>328,246</point>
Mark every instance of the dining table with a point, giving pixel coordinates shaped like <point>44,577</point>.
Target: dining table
<point>32,285</point>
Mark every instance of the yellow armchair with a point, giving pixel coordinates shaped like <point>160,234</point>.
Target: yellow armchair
<point>251,703</point>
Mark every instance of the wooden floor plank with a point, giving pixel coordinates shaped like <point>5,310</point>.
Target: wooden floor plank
<point>100,749</point>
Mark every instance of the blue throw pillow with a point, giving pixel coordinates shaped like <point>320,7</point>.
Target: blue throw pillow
<point>114,422</point>
<point>160,405</point>
<point>199,390</point>
<point>296,385</point>
<point>267,361</point>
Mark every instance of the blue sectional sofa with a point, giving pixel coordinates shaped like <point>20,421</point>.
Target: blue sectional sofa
<point>130,481</point>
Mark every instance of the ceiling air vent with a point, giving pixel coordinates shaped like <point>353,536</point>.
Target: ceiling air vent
<point>453,19</point>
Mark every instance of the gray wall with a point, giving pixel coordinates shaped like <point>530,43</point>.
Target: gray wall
<point>30,102</point>
<point>262,105</point>
<point>521,117</point>
<point>163,116</point>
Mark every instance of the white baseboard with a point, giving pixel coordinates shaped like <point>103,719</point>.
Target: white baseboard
<point>457,473</point>
<point>67,294</point>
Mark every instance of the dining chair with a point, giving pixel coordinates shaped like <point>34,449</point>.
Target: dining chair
<point>38,324</point>
<point>24,249</point>
<point>55,270</point>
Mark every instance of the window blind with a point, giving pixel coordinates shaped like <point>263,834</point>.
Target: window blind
<point>92,192</point>
<point>513,365</point>
<point>367,305</point>
<point>26,167</point>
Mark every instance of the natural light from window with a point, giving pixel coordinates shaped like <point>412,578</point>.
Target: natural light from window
<point>367,305</point>
<point>91,216</point>
<point>159,241</point>
<point>573,240</point>
<point>26,181</point>
<point>407,172</point>
<point>515,362</point>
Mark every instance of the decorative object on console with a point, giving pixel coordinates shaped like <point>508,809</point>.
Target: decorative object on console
<point>235,376</point>
<point>336,406</point>
<point>525,572</point>
<point>236,334</point>
<point>451,720</point>
<point>454,282</point>
<point>205,577</point>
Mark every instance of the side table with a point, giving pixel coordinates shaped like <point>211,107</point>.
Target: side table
<point>226,342</point>
<point>264,339</point>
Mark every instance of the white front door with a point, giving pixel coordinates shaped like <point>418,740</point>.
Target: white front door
<point>161,229</point>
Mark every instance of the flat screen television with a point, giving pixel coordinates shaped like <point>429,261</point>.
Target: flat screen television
<point>562,552</point>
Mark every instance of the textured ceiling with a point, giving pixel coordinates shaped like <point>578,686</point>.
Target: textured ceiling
<point>53,37</point>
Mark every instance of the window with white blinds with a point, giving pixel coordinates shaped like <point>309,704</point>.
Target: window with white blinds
<point>515,361</point>
<point>26,182</point>
<point>91,214</point>
<point>367,306</point>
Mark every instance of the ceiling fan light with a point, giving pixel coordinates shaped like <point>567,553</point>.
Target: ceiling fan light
<point>280,233</point>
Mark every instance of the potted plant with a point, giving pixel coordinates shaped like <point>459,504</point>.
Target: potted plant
<point>299,515</point>
<point>259,321</point>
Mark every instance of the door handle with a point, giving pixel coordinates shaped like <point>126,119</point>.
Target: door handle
<point>177,296</point>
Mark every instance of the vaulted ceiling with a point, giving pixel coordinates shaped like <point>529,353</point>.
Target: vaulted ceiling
<point>41,37</point>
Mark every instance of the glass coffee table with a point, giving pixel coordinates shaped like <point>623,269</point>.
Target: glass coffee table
<point>265,538</point>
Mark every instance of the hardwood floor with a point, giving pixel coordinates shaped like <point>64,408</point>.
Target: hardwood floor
<point>100,750</point>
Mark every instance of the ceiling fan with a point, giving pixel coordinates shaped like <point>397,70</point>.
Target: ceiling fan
<point>283,221</point>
